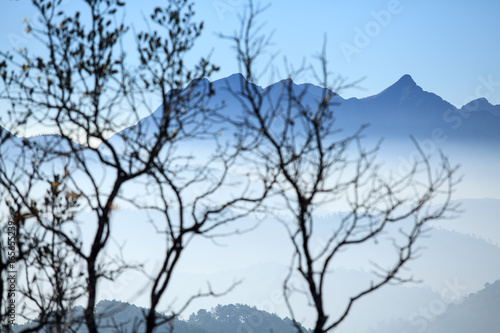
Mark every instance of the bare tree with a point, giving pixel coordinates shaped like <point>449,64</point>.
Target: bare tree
<point>83,88</point>
<point>317,165</point>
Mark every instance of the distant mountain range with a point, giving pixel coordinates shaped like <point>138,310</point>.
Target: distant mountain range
<point>406,108</point>
<point>402,109</point>
<point>477,312</point>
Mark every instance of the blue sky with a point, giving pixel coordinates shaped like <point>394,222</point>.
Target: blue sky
<point>449,47</point>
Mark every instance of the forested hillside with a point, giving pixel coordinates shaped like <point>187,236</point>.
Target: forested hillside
<point>115,316</point>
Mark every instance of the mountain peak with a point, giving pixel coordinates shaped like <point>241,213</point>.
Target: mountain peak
<point>235,81</point>
<point>236,78</point>
<point>406,80</point>
<point>482,104</point>
<point>401,89</point>
<point>477,104</point>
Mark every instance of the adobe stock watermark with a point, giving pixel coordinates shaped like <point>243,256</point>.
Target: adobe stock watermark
<point>224,7</point>
<point>452,293</point>
<point>11,283</point>
<point>485,88</point>
<point>454,119</point>
<point>363,36</point>
<point>22,39</point>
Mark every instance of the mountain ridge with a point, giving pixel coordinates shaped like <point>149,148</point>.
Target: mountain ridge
<point>403,95</point>
<point>402,109</point>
